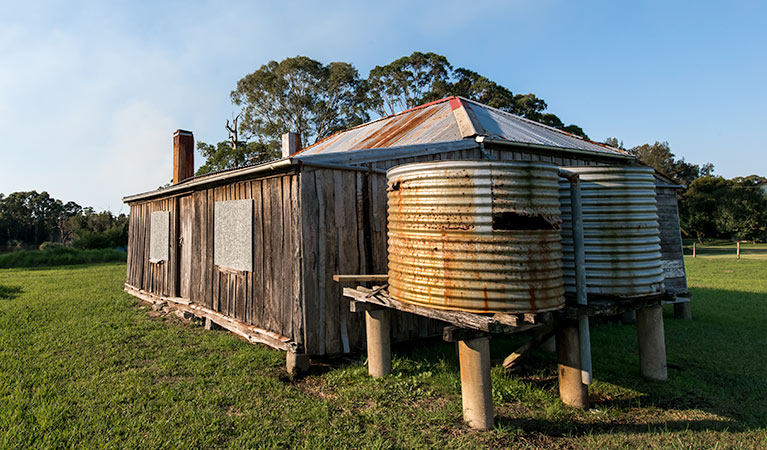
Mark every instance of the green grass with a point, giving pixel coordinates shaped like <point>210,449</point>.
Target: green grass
<point>59,257</point>
<point>83,365</point>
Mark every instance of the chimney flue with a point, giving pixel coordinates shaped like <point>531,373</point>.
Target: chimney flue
<point>291,143</point>
<point>183,155</point>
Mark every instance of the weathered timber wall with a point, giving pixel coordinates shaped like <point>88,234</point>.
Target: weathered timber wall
<point>152,277</point>
<point>269,296</point>
<point>670,241</point>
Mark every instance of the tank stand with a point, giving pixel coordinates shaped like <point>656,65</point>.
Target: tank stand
<point>572,391</point>
<point>476,385</point>
<point>378,335</point>
<point>652,344</point>
<point>683,311</point>
<point>377,325</point>
<point>296,363</point>
<point>469,330</point>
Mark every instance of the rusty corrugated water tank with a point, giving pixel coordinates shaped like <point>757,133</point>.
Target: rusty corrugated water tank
<point>479,236</point>
<point>620,228</point>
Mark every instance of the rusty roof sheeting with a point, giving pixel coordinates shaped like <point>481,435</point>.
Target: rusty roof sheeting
<point>436,122</point>
<point>429,124</point>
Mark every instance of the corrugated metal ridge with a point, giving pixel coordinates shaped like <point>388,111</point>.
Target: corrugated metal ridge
<point>425,105</point>
<point>538,124</point>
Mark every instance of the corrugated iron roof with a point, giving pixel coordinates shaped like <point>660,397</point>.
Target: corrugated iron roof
<point>439,121</point>
<point>427,124</point>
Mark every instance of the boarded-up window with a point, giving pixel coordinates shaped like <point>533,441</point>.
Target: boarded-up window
<point>233,234</point>
<point>159,236</point>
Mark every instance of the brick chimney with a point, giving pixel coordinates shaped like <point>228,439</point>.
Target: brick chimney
<point>183,155</point>
<point>291,143</point>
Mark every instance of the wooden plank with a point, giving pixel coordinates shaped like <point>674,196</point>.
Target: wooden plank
<point>309,209</point>
<point>607,307</point>
<point>294,258</point>
<point>455,334</point>
<point>259,255</point>
<point>186,212</point>
<point>287,305</point>
<point>268,319</point>
<point>512,361</point>
<point>252,334</point>
<point>210,272</point>
<point>348,251</point>
<point>360,278</point>
<point>490,324</point>
<point>328,259</point>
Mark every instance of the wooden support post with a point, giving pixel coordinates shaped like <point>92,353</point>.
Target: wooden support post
<point>549,345</point>
<point>211,325</point>
<point>296,363</point>
<point>379,342</point>
<point>694,250</point>
<point>476,386</point>
<point>682,311</point>
<point>652,345</point>
<point>738,251</point>
<point>629,317</point>
<point>572,391</point>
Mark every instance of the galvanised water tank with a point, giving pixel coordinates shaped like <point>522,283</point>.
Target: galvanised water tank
<point>620,228</point>
<point>479,236</point>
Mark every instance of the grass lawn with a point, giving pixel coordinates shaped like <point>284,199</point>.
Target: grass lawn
<point>83,365</point>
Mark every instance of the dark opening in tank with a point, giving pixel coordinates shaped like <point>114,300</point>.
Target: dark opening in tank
<point>511,221</point>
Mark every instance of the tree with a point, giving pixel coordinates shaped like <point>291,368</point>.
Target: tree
<point>742,211</point>
<point>408,82</point>
<point>302,95</point>
<point>423,77</point>
<point>699,205</point>
<point>615,143</point>
<point>226,156</point>
<point>659,157</point>
<point>315,100</point>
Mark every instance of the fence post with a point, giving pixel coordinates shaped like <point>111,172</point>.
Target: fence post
<point>694,248</point>
<point>738,250</point>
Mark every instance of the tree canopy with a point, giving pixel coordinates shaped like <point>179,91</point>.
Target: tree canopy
<point>302,95</point>
<point>316,100</point>
<point>710,206</point>
<point>659,157</point>
<point>29,219</point>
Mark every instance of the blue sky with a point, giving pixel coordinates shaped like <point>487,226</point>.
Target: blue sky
<point>90,92</point>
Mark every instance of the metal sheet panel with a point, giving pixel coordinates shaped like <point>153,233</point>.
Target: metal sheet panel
<point>498,124</point>
<point>434,123</point>
<point>233,234</point>
<point>620,227</point>
<point>478,236</point>
<point>159,235</point>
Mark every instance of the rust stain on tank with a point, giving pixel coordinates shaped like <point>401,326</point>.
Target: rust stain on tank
<point>444,253</point>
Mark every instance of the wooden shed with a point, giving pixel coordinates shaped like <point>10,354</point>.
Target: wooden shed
<point>255,248</point>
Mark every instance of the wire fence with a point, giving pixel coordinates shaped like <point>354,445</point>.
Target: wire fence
<point>734,250</point>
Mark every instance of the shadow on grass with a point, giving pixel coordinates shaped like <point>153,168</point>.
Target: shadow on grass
<point>716,373</point>
<point>9,292</point>
<point>716,365</point>
<point>562,428</point>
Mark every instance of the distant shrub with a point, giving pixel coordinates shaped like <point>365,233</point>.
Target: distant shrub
<point>59,256</point>
<point>111,238</point>
<point>47,245</point>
